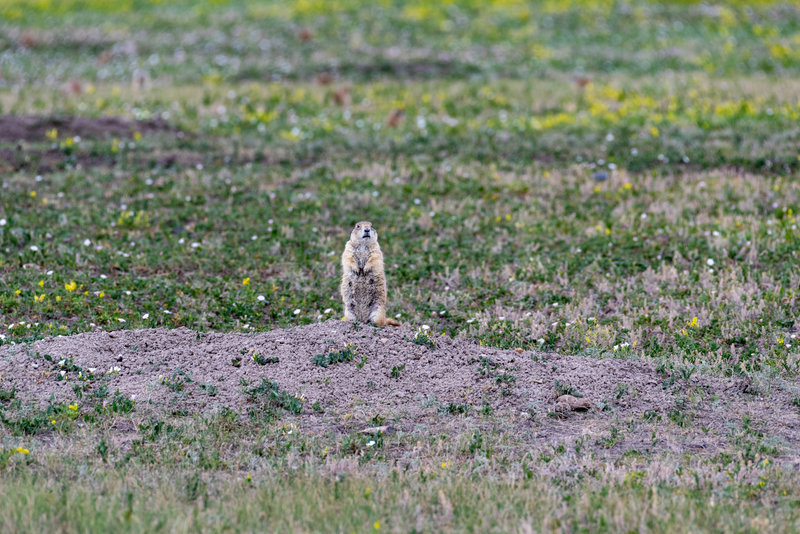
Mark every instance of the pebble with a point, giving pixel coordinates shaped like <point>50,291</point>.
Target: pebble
<point>575,404</point>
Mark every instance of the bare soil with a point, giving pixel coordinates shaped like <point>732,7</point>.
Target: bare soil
<point>17,128</point>
<point>635,407</point>
<point>32,151</point>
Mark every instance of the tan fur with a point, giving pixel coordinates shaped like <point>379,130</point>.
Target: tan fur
<point>363,280</point>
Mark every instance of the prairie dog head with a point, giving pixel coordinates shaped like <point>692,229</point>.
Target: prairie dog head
<point>363,233</point>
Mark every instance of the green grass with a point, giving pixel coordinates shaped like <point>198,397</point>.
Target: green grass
<point>603,179</point>
<point>222,473</point>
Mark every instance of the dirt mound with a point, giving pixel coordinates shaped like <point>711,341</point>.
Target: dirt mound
<point>347,375</point>
<point>16,128</point>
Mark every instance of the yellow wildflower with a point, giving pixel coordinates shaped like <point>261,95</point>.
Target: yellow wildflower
<point>246,281</point>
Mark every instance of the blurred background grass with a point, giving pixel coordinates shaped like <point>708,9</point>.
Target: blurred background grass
<point>568,175</point>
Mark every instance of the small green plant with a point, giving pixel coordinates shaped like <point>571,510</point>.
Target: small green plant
<point>458,409</point>
<point>119,403</point>
<point>264,360</point>
<point>611,439</point>
<point>6,395</point>
<point>195,487</point>
<point>663,368</point>
<point>566,389</point>
<point>178,381</point>
<point>34,420</point>
<point>680,416</point>
<point>152,429</point>
<point>210,389</point>
<point>346,354</point>
<point>365,446</point>
<point>486,365</point>
<point>269,400</point>
<point>686,372</point>
<point>378,419</point>
<point>395,373</point>
<point>7,454</point>
<point>423,336</point>
<point>362,363</point>
<point>475,442</point>
<point>504,379</point>
<point>66,368</point>
<point>651,416</point>
<point>102,449</point>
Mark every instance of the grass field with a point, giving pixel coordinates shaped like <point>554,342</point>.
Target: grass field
<point>593,178</point>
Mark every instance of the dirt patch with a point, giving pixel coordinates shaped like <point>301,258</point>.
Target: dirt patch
<point>29,134</point>
<point>409,69</point>
<point>17,128</point>
<point>53,159</point>
<point>385,376</point>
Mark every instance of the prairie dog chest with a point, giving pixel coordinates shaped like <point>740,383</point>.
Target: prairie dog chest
<point>361,255</point>
<point>364,278</point>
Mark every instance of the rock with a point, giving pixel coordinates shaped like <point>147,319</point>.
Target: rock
<point>562,410</point>
<point>574,403</point>
<point>600,176</point>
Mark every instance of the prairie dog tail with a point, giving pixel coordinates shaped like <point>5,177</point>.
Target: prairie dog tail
<point>392,322</point>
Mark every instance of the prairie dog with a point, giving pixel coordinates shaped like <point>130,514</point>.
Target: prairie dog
<point>363,280</point>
